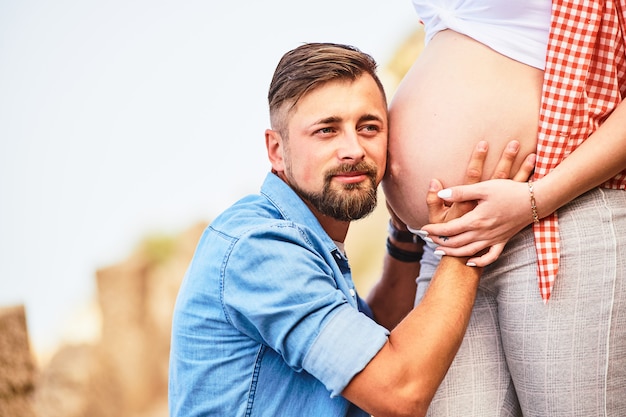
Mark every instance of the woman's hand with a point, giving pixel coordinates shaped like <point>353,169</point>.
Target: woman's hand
<point>502,208</point>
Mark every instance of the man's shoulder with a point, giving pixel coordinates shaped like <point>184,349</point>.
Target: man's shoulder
<point>251,213</point>
<point>276,207</point>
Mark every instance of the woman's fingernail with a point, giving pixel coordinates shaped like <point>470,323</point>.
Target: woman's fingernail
<point>470,264</point>
<point>439,252</point>
<point>422,233</point>
<point>427,239</point>
<point>414,231</point>
<point>445,193</point>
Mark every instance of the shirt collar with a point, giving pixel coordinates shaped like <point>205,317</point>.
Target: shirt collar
<point>293,208</point>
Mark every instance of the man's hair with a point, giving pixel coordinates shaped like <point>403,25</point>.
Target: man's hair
<point>309,66</point>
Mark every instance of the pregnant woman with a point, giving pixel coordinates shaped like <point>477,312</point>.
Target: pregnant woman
<point>548,332</point>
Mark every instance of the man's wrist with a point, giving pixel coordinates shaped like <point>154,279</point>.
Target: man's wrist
<point>403,255</point>
<point>399,235</point>
<point>461,262</point>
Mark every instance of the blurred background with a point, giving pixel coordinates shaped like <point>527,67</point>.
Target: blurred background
<point>127,124</point>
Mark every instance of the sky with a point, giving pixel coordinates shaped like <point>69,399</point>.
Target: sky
<point>121,119</point>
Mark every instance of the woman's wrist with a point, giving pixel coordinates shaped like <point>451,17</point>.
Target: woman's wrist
<point>533,202</point>
<point>546,198</point>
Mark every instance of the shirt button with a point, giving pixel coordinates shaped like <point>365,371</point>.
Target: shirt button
<point>352,292</point>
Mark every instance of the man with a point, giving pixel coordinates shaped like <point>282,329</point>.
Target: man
<point>267,321</point>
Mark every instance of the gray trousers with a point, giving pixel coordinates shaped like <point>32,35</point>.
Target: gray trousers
<point>566,358</point>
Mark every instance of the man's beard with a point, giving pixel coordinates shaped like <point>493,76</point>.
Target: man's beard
<point>351,202</point>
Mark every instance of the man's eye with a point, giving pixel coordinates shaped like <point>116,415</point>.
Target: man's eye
<point>326,130</point>
<point>370,128</point>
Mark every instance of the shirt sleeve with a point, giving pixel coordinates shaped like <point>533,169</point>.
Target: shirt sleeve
<point>343,348</point>
<point>280,291</point>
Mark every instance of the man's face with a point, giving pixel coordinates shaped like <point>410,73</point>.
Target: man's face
<point>335,153</point>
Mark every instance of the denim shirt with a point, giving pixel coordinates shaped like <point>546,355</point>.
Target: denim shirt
<point>267,320</point>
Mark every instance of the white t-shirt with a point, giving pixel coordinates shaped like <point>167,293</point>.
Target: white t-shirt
<point>517,29</point>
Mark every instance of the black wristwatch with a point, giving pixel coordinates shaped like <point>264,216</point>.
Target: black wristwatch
<point>401,235</point>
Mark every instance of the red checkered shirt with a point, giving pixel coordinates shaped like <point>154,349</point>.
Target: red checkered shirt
<point>585,79</point>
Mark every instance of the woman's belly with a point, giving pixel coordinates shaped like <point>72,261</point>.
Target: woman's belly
<point>457,93</point>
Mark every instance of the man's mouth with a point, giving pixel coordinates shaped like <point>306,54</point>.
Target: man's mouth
<point>352,177</point>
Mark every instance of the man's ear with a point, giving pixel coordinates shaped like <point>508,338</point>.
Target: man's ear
<point>274,145</point>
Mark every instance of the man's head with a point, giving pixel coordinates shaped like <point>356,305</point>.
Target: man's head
<point>329,128</point>
<point>309,66</point>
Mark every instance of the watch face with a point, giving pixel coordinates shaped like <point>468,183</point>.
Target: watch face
<point>401,235</point>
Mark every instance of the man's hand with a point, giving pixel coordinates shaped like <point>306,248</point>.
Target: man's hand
<point>439,212</point>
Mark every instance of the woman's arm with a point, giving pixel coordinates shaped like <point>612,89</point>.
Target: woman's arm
<point>503,206</point>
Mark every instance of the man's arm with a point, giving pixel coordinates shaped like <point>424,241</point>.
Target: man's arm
<point>405,374</point>
<point>393,296</point>
<point>403,377</point>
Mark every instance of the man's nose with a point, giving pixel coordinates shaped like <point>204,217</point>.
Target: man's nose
<point>351,147</point>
